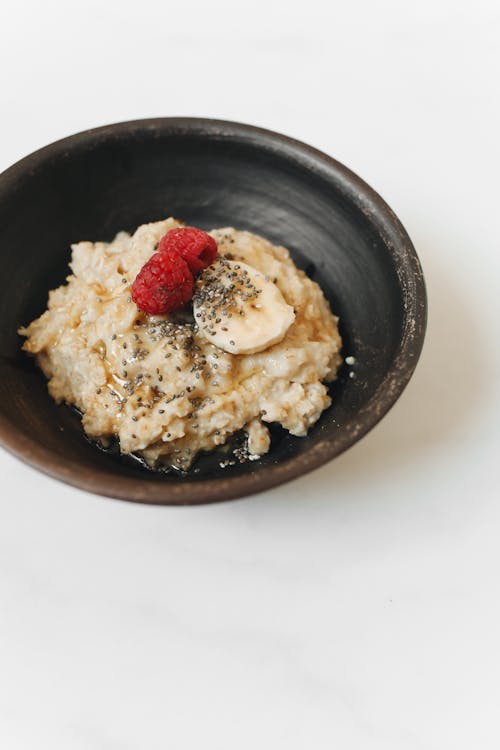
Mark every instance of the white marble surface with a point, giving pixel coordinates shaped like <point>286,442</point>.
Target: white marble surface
<point>359,606</point>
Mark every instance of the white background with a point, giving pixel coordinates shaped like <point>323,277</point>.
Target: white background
<point>358,607</point>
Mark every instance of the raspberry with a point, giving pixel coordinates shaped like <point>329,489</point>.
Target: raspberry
<point>196,247</point>
<point>163,284</point>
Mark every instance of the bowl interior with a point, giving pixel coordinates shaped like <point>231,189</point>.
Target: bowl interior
<point>95,184</point>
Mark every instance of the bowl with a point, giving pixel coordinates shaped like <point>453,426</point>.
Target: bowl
<point>209,173</point>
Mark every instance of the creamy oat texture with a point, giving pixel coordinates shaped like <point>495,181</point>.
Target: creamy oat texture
<point>154,382</point>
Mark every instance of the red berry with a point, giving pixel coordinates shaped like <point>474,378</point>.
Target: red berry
<point>163,284</point>
<point>196,247</point>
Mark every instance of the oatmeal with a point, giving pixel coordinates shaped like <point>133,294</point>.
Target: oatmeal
<point>257,346</point>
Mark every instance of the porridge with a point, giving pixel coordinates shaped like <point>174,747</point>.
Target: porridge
<point>245,339</point>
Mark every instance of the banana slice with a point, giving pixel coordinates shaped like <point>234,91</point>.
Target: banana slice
<point>238,309</point>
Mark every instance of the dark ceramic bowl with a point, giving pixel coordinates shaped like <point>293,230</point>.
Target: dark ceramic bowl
<point>209,173</point>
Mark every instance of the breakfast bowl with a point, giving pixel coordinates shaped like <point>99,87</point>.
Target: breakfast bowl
<point>211,174</point>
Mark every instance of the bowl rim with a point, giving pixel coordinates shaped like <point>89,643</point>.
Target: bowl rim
<point>410,277</point>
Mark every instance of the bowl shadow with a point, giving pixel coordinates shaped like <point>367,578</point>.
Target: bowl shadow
<point>444,394</point>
